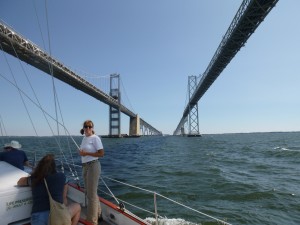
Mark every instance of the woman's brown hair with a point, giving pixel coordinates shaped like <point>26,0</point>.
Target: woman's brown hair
<point>45,166</point>
<point>87,123</point>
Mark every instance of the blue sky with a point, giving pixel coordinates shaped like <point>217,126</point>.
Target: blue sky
<point>155,46</point>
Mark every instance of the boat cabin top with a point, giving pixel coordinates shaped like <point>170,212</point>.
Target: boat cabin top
<point>15,201</point>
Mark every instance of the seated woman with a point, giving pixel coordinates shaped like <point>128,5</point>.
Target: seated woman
<point>56,181</point>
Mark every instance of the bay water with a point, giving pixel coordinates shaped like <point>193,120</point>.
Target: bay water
<point>249,178</point>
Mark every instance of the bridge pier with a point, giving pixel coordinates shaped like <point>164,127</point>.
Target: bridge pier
<point>189,124</point>
<point>114,112</point>
<point>193,119</point>
<point>134,126</point>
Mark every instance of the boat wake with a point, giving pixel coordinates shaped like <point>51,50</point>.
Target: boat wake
<point>166,221</point>
<point>292,148</point>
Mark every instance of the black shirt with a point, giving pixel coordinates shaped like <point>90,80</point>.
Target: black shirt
<point>40,198</point>
<point>14,157</point>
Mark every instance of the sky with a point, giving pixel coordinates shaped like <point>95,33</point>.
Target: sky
<point>154,46</point>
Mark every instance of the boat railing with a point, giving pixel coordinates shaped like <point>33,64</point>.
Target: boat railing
<point>155,196</point>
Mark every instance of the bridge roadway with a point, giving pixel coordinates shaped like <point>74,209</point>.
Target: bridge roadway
<point>18,46</point>
<point>250,14</point>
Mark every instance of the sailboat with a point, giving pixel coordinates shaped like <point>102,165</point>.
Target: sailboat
<point>16,202</point>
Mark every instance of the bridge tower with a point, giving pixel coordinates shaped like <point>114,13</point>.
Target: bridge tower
<point>114,113</point>
<point>193,119</point>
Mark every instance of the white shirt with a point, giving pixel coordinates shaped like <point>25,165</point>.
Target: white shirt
<point>90,144</point>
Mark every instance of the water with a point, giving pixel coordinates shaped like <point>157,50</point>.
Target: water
<point>240,178</point>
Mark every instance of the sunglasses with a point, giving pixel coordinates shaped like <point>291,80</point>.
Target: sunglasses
<point>88,127</point>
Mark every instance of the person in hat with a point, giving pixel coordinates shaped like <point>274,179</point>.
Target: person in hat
<point>14,156</point>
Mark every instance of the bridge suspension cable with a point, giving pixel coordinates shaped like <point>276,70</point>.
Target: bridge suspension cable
<point>102,82</point>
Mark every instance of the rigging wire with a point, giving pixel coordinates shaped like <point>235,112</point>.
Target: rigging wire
<point>39,24</point>
<point>16,84</point>
<point>56,100</point>
<point>38,106</point>
<point>3,130</point>
<point>21,93</point>
<point>34,93</point>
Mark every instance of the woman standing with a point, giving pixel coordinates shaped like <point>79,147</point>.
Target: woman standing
<point>56,182</point>
<point>91,149</point>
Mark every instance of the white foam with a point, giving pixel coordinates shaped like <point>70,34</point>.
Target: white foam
<point>166,221</point>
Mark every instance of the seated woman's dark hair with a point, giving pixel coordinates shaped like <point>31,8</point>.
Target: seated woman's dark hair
<point>45,167</point>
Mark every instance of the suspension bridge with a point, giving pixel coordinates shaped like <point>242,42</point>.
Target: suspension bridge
<point>248,17</point>
<point>16,45</point>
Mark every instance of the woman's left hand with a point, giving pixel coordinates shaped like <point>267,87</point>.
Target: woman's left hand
<point>82,153</point>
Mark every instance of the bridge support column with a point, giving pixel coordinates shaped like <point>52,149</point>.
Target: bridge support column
<point>114,113</point>
<point>193,115</point>
<point>134,126</point>
<point>182,132</point>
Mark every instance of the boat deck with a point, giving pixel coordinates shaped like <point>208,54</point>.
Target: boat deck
<point>83,214</point>
<point>15,201</point>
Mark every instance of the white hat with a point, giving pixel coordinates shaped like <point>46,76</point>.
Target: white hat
<point>13,144</point>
